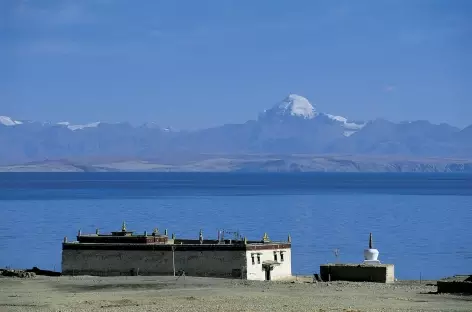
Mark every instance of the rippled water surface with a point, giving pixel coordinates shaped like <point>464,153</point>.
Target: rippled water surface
<point>420,222</point>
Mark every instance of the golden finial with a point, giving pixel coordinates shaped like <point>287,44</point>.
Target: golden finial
<point>265,238</point>
<point>123,227</point>
<point>289,238</point>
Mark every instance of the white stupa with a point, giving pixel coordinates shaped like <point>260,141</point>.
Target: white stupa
<point>371,255</point>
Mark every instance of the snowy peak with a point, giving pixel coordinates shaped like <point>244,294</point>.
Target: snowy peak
<point>349,127</point>
<point>78,127</point>
<point>7,121</point>
<point>294,105</point>
<point>347,124</point>
<point>298,106</point>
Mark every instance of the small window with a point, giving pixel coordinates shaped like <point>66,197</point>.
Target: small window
<point>282,257</point>
<point>253,262</point>
<point>275,256</point>
<point>258,259</point>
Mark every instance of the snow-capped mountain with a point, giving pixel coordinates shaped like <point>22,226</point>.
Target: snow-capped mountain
<point>291,126</point>
<point>293,105</point>
<point>78,127</point>
<point>297,106</point>
<point>8,121</point>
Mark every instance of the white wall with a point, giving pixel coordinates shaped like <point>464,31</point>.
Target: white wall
<point>282,271</point>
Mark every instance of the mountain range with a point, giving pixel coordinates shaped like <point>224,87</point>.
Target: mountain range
<point>291,127</point>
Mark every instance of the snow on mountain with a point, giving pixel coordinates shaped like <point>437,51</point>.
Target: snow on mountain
<point>350,127</point>
<point>7,121</point>
<point>298,106</point>
<point>294,105</point>
<point>78,127</point>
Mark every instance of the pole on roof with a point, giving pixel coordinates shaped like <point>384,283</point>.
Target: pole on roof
<point>173,259</point>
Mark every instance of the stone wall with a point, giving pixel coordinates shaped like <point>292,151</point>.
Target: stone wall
<point>216,263</point>
<point>461,284</point>
<point>381,273</point>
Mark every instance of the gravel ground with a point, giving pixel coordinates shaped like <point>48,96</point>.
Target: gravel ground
<point>206,294</point>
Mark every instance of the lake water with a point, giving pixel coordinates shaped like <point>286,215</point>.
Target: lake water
<point>420,222</point>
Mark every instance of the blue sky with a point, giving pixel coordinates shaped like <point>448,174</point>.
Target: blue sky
<point>192,64</point>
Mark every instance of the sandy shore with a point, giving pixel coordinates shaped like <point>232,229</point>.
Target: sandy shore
<point>206,294</point>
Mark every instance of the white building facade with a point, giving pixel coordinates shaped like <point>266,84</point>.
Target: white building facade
<point>274,263</point>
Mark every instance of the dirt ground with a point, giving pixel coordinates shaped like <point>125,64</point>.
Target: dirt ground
<point>207,294</point>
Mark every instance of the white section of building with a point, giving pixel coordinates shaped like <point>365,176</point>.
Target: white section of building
<point>269,264</point>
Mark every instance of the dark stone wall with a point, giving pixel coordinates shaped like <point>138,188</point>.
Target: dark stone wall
<point>356,273</point>
<point>455,287</point>
<point>109,239</point>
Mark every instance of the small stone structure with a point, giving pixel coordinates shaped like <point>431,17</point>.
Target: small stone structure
<point>371,270</point>
<point>125,253</point>
<point>379,273</point>
<point>459,284</point>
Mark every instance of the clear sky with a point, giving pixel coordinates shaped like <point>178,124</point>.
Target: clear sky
<point>192,64</point>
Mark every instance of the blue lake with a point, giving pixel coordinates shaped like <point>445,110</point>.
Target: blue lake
<point>420,222</point>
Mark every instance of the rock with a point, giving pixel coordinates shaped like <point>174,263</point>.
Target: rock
<point>17,273</point>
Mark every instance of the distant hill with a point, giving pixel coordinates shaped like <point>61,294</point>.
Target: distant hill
<point>293,126</point>
<point>253,163</point>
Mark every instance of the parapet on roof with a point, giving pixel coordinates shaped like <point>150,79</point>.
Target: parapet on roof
<point>126,239</point>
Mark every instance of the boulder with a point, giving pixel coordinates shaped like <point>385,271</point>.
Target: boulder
<point>17,273</point>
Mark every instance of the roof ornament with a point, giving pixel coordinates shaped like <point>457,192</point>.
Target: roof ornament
<point>371,255</point>
<point>123,227</point>
<point>289,239</point>
<point>97,231</point>
<point>265,238</point>
<point>200,236</point>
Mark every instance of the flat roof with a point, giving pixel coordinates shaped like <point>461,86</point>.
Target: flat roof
<point>178,246</point>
